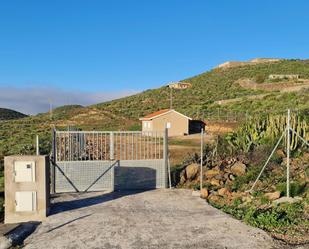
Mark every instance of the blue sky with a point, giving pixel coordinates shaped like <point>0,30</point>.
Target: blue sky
<point>103,49</point>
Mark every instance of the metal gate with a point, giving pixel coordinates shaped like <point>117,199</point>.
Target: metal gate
<point>100,160</point>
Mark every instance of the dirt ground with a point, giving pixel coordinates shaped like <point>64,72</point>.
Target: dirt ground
<point>152,219</point>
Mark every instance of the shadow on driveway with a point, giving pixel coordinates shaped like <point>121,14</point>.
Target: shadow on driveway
<point>63,206</point>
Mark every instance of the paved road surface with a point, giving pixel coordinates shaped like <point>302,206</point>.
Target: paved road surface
<point>151,219</point>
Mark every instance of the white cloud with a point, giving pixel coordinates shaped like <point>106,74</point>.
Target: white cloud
<point>33,100</point>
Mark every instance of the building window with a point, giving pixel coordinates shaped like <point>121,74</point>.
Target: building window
<point>168,125</point>
<point>147,124</point>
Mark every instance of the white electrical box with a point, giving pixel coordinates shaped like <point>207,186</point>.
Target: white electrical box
<point>25,201</point>
<point>24,171</point>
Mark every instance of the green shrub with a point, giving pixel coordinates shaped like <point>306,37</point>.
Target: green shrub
<point>296,188</point>
<point>260,78</point>
<point>1,183</point>
<point>276,217</point>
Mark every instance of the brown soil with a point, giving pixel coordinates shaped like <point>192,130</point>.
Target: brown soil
<point>289,86</point>
<point>216,128</point>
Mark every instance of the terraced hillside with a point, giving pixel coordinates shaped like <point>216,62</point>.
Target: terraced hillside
<point>8,114</point>
<point>219,84</point>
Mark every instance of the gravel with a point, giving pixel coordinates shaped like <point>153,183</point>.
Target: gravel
<point>151,219</point>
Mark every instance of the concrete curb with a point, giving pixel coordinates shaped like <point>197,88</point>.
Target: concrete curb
<point>17,235</point>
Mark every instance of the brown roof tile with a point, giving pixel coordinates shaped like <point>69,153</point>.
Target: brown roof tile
<point>151,115</point>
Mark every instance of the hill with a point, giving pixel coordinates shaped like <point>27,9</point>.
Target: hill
<point>18,136</point>
<point>7,114</point>
<point>122,114</point>
<point>229,64</point>
<point>219,84</point>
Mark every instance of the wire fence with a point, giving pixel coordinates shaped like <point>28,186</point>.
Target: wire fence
<point>223,115</point>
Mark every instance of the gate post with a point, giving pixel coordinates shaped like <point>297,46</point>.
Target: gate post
<point>53,162</point>
<point>111,159</point>
<point>111,146</point>
<point>165,157</point>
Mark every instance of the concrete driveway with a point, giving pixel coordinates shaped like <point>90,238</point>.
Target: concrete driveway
<point>151,219</point>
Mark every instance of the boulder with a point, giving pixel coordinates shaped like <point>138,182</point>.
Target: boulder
<point>237,195</point>
<point>215,182</point>
<point>219,177</point>
<point>192,170</point>
<point>212,172</point>
<point>238,169</point>
<point>226,175</point>
<point>246,199</point>
<point>215,198</point>
<point>182,177</point>
<point>182,180</point>
<point>280,153</point>
<point>273,195</point>
<point>204,193</point>
<point>223,192</point>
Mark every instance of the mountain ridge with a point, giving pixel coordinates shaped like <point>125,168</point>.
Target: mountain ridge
<point>9,114</point>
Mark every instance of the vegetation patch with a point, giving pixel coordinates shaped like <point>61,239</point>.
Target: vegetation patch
<point>233,164</point>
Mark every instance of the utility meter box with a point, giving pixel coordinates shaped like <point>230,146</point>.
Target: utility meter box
<point>24,171</point>
<point>27,187</point>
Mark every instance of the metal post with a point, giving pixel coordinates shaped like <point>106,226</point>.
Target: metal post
<point>288,155</point>
<point>166,156</point>
<point>53,164</point>
<point>201,171</point>
<point>111,146</point>
<point>37,145</point>
<point>171,98</point>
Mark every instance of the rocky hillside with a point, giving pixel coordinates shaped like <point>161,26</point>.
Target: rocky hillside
<point>226,183</point>
<point>229,64</point>
<point>232,164</point>
<point>8,114</point>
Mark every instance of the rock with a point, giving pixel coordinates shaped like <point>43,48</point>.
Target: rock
<point>215,182</point>
<point>192,170</point>
<point>246,199</point>
<point>273,195</point>
<point>280,153</point>
<point>231,177</point>
<point>286,199</point>
<point>212,172</point>
<point>182,180</point>
<point>214,198</point>
<point>238,169</point>
<point>226,176</point>
<point>219,177</point>
<point>223,192</point>
<point>204,193</point>
<point>237,194</point>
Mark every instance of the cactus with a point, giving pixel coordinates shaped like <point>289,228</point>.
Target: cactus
<point>257,131</point>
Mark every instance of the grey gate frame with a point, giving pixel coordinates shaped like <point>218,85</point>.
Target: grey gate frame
<point>108,160</point>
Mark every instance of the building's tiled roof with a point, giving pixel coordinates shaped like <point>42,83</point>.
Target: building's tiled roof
<point>152,115</point>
